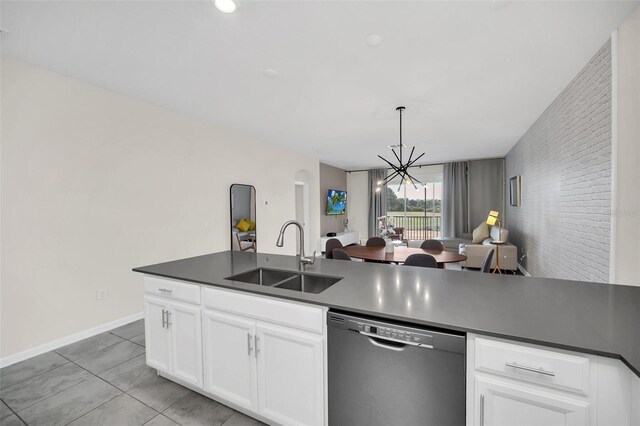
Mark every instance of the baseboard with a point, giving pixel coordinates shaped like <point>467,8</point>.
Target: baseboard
<point>524,271</point>
<point>67,340</point>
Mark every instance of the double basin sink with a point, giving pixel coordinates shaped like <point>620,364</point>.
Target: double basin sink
<point>289,280</point>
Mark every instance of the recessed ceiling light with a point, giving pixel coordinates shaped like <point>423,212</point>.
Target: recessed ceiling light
<point>269,72</point>
<point>373,39</point>
<point>226,6</point>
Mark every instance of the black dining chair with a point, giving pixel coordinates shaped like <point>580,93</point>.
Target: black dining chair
<point>486,262</point>
<point>332,243</point>
<point>339,254</point>
<point>432,245</point>
<point>376,242</point>
<point>424,260</point>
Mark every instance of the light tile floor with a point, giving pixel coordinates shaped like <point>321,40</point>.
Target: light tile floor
<point>104,380</point>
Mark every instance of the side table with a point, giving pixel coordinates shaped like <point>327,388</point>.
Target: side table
<point>498,244</point>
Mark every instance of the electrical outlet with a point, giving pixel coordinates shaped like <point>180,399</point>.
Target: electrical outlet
<point>101,294</point>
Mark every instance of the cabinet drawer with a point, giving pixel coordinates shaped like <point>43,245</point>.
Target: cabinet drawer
<point>291,314</point>
<point>544,367</point>
<point>172,289</point>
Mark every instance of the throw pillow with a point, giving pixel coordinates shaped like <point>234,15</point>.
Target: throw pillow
<point>252,224</point>
<point>480,233</point>
<point>243,225</point>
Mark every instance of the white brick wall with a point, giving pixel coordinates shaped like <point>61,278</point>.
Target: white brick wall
<point>565,163</point>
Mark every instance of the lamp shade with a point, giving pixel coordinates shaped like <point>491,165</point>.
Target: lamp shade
<point>492,218</point>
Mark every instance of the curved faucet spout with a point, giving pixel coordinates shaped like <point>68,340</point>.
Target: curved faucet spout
<point>303,259</point>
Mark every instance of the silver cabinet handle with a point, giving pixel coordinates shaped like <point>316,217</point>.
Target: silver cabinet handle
<point>165,290</point>
<point>164,321</point>
<point>249,348</point>
<point>532,369</point>
<point>481,410</point>
<point>257,339</point>
<point>168,316</point>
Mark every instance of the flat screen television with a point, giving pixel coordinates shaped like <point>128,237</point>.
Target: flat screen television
<point>336,202</point>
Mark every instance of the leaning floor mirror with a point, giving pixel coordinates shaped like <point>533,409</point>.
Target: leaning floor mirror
<point>243,217</point>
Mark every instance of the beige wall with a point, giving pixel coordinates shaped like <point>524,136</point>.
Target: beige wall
<point>626,209</point>
<point>95,183</point>
<point>331,178</point>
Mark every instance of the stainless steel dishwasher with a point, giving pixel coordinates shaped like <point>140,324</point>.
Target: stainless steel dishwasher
<point>383,373</point>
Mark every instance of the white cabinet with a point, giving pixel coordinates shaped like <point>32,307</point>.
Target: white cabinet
<point>265,355</point>
<point>230,367</point>
<point>506,403</point>
<point>184,324</point>
<point>157,338</point>
<point>270,369</point>
<point>513,383</point>
<point>174,338</point>
<point>346,238</point>
<point>290,375</point>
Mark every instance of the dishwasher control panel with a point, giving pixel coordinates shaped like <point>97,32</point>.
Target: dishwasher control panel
<point>383,330</point>
<point>395,333</point>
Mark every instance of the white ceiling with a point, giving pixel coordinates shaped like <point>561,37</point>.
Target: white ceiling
<point>473,75</point>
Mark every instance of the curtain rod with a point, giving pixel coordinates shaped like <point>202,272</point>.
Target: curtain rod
<point>431,164</point>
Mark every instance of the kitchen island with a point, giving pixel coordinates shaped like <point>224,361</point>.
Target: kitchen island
<point>587,318</point>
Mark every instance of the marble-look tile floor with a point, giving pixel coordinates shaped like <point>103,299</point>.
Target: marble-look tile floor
<point>103,380</point>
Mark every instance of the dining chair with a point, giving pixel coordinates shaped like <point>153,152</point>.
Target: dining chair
<point>432,245</point>
<point>486,262</point>
<point>424,260</point>
<point>339,254</point>
<point>376,242</point>
<point>332,243</point>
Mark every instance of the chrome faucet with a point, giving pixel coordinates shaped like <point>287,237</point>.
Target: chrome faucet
<point>303,259</point>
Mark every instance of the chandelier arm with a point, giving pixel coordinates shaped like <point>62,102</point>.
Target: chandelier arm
<point>391,176</point>
<point>411,155</point>
<point>415,159</point>
<point>413,181</point>
<point>389,163</point>
<point>397,158</point>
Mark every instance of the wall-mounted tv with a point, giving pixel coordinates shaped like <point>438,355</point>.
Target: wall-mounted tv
<point>336,202</point>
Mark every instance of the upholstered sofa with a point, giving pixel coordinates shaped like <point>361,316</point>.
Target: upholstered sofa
<point>475,252</point>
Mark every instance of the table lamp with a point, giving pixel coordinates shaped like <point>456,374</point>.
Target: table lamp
<point>492,219</point>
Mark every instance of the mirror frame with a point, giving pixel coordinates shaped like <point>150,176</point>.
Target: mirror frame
<point>231,212</point>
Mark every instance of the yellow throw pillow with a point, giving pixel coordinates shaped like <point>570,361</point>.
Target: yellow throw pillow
<point>480,233</point>
<point>243,225</point>
<point>252,224</point>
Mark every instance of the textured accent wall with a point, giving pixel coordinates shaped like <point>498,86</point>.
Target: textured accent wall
<point>565,163</point>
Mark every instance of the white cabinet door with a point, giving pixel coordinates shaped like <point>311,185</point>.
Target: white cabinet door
<point>290,378</point>
<point>184,323</point>
<point>229,358</point>
<point>157,336</point>
<point>503,402</point>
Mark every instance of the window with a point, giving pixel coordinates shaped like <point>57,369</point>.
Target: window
<point>417,210</point>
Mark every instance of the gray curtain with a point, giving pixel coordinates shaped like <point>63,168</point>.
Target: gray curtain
<point>486,189</point>
<point>377,200</point>
<point>455,199</point>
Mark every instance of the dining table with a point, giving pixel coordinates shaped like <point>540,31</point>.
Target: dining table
<point>400,254</point>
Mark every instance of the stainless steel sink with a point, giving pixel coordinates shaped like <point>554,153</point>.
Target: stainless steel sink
<point>309,283</point>
<point>288,280</point>
<point>263,276</point>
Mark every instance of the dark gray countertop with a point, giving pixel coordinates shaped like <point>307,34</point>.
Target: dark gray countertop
<point>600,319</point>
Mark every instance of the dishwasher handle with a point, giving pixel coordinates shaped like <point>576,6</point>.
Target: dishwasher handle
<point>375,339</point>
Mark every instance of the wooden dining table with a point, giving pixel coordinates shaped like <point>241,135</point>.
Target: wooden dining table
<point>400,254</point>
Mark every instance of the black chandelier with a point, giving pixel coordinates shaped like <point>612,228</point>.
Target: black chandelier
<point>402,169</point>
